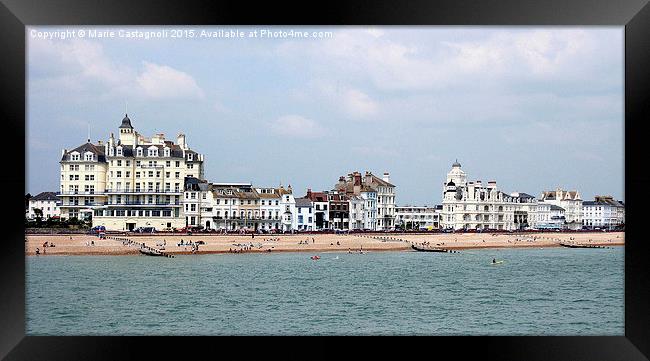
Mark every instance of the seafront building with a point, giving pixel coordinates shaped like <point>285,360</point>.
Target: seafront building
<point>304,214</point>
<point>472,205</point>
<point>418,217</point>
<point>47,203</point>
<point>603,212</point>
<point>570,201</point>
<point>131,181</point>
<point>320,202</point>
<point>371,199</point>
<point>128,182</point>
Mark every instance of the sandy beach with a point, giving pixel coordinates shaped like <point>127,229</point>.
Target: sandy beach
<point>313,243</point>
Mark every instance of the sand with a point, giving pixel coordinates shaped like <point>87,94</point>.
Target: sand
<point>81,244</point>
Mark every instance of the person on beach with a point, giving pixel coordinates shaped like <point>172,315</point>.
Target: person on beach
<point>37,251</point>
<point>494,260</point>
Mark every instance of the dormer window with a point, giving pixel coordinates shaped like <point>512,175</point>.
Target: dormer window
<point>88,156</point>
<point>119,151</point>
<point>189,156</point>
<point>152,152</point>
<point>167,152</point>
<point>139,152</point>
<point>74,156</point>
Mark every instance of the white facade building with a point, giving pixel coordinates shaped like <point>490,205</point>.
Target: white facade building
<point>570,201</point>
<point>603,212</point>
<point>48,204</point>
<point>471,205</point>
<point>417,217</point>
<point>129,182</point>
<point>304,214</point>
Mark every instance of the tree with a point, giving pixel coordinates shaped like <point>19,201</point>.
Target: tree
<point>38,213</point>
<point>27,198</point>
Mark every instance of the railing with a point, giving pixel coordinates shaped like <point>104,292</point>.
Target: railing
<point>79,193</point>
<point>132,203</point>
<point>142,191</point>
<point>82,204</point>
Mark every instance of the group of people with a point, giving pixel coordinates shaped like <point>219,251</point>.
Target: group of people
<point>306,241</point>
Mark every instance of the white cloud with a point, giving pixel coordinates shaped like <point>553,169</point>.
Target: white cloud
<point>163,82</point>
<point>297,126</point>
<point>83,67</point>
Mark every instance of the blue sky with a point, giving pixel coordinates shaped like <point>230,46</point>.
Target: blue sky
<point>532,108</point>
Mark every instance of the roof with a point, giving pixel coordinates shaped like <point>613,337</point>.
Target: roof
<point>45,196</point>
<point>126,122</point>
<point>303,203</point>
<point>175,151</point>
<point>379,181</point>
<point>318,196</point>
<point>97,150</point>
<point>556,208</point>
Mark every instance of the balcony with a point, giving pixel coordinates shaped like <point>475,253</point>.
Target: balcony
<point>138,203</point>
<point>80,193</point>
<point>142,191</point>
<point>81,205</point>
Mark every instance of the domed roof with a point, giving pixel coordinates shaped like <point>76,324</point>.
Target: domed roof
<point>451,184</point>
<point>126,122</point>
<point>456,164</point>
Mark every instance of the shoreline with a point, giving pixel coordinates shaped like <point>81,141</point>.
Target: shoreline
<point>81,245</point>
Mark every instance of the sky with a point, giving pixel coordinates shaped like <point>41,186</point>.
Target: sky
<point>533,108</point>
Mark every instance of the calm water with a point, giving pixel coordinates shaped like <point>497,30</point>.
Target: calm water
<point>554,291</point>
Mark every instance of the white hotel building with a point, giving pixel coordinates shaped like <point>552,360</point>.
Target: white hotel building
<point>130,182</point>
<point>471,205</point>
<point>417,217</point>
<point>603,212</point>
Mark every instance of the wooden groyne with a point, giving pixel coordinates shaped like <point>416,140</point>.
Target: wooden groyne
<point>144,249</point>
<point>577,245</point>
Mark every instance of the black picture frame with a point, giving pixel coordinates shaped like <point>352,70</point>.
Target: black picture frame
<point>633,14</point>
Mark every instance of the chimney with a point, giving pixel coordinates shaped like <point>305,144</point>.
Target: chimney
<point>308,193</point>
<point>289,189</point>
<point>99,142</point>
<point>386,177</point>
<point>180,140</point>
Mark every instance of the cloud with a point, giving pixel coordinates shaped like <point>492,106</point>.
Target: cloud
<point>164,82</point>
<point>82,66</point>
<point>297,126</point>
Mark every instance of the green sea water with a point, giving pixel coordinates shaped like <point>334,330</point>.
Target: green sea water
<point>551,291</point>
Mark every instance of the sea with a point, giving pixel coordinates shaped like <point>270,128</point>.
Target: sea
<point>535,291</point>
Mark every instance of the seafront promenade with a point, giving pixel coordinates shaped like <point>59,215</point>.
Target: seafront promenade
<point>313,243</point>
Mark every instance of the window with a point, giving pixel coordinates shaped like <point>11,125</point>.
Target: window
<point>139,152</point>
<point>88,157</point>
<point>152,152</point>
<point>168,164</point>
<point>137,163</point>
<point>119,173</point>
<point>128,174</point>
<point>128,163</point>
<point>74,156</point>
<point>178,163</point>
<point>137,174</point>
<point>150,173</point>
<point>178,174</point>
<point>190,156</point>
<point>166,174</point>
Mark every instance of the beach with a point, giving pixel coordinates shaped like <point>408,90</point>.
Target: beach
<point>77,244</point>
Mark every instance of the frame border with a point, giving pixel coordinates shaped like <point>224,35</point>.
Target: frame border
<point>15,15</point>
